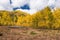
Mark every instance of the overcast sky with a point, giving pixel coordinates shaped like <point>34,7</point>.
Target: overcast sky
<point>30,6</point>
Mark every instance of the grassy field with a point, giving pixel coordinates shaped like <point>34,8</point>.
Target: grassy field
<point>28,34</point>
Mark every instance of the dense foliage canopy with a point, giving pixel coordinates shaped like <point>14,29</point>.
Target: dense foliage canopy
<point>41,19</point>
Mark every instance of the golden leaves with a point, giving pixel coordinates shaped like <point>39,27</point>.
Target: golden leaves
<point>44,18</point>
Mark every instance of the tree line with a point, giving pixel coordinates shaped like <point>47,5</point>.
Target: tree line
<point>42,19</point>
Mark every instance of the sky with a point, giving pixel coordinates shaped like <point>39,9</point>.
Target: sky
<point>30,6</point>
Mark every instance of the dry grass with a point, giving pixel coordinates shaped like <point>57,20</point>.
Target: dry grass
<point>28,34</point>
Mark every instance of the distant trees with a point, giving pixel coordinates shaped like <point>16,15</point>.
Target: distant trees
<point>56,15</point>
<point>41,19</point>
<point>48,17</point>
<point>5,18</point>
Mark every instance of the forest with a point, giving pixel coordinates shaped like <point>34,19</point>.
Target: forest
<point>42,19</point>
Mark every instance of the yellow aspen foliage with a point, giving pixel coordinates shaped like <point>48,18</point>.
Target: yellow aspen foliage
<point>28,21</point>
<point>22,18</point>
<point>56,15</point>
<point>5,18</point>
<point>41,19</point>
